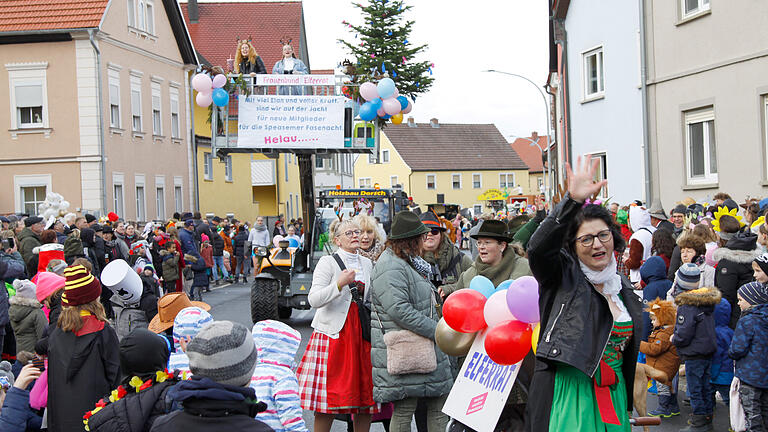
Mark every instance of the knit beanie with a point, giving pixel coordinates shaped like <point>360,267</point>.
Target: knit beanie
<point>189,321</point>
<point>47,284</point>
<point>6,376</point>
<point>224,352</point>
<point>687,277</point>
<point>80,287</point>
<point>762,262</point>
<point>24,289</point>
<point>754,293</point>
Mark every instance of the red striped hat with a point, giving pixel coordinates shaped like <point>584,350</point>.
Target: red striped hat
<point>80,286</point>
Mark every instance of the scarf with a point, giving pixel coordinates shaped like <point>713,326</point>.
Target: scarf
<point>421,266</point>
<point>260,227</point>
<point>373,252</point>
<point>611,282</point>
<point>497,273</point>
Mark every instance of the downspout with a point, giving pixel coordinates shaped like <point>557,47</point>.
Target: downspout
<point>191,121</point>
<point>566,110</point>
<point>102,157</point>
<point>644,96</point>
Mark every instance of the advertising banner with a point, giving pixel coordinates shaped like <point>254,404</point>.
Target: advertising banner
<point>298,79</point>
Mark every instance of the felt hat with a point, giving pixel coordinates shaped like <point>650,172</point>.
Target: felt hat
<point>730,204</point>
<point>657,211</point>
<point>80,286</point>
<point>47,284</point>
<point>106,229</point>
<point>431,221</point>
<point>516,223</point>
<point>28,222</point>
<point>189,222</point>
<point>169,306</point>
<point>680,209</point>
<point>223,351</point>
<point>406,224</point>
<point>120,278</point>
<point>98,228</point>
<point>493,229</point>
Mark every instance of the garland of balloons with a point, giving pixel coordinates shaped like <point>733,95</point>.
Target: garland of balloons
<point>383,100</point>
<point>210,90</point>
<point>509,311</point>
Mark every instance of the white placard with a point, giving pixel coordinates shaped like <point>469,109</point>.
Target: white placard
<point>480,392</point>
<point>297,79</point>
<point>291,122</point>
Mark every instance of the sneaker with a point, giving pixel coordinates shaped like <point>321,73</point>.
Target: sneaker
<point>661,412</point>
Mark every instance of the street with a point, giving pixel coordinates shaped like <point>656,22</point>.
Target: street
<point>231,302</point>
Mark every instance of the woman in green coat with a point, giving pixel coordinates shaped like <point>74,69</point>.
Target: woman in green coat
<point>403,298</point>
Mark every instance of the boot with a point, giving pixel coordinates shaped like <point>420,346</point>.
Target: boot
<point>699,423</point>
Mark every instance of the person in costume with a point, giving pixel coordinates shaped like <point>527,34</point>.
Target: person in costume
<point>591,318</point>
<point>289,64</point>
<point>247,60</point>
<point>335,372</point>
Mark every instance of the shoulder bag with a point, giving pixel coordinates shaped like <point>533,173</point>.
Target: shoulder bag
<point>363,311</point>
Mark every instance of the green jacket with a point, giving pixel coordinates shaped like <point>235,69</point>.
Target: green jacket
<point>28,322</point>
<point>28,241</point>
<point>447,253</point>
<point>512,266</point>
<point>401,299</point>
<point>524,234</point>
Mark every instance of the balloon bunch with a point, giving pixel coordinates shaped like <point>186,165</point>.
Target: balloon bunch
<point>383,100</point>
<point>54,206</point>
<point>210,90</point>
<point>509,311</point>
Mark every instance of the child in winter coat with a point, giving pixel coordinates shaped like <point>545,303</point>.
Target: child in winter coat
<point>749,348</point>
<point>654,275</point>
<point>187,324</point>
<point>722,365</point>
<point>274,380</point>
<point>200,280</point>
<point>149,280</point>
<point>662,361</point>
<point>206,251</point>
<point>27,318</point>
<point>170,266</point>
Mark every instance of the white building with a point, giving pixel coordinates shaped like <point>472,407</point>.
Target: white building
<point>333,170</point>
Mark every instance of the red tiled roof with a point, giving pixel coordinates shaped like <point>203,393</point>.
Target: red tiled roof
<point>530,154</point>
<point>220,24</point>
<point>35,15</point>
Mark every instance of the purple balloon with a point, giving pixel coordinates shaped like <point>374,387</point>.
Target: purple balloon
<point>219,81</point>
<point>523,299</point>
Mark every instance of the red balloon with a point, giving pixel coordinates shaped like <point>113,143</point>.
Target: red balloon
<point>508,342</point>
<point>463,311</point>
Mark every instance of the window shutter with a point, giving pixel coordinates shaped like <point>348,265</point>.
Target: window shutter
<point>174,106</point>
<point>155,103</point>
<point>29,96</point>
<point>136,103</point>
<point>114,95</point>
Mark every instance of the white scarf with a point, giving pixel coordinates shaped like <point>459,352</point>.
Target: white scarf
<point>352,261</point>
<point>611,282</point>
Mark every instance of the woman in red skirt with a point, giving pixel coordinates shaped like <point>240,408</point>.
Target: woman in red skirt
<point>346,387</point>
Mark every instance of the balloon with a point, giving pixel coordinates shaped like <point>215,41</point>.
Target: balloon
<point>202,83</point>
<point>203,99</point>
<point>293,243</point>
<point>535,337</point>
<point>277,239</point>
<point>380,112</point>
<point>391,106</point>
<point>386,117</point>
<point>452,342</point>
<point>403,102</point>
<point>508,342</point>
<point>396,93</point>
<point>367,112</point>
<point>219,81</point>
<point>368,91</point>
<point>496,310</point>
<point>397,118</point>
<point>483,285</point>
<point>463,310</point>
<point>377,102</point>
<point>220,97</point>
<point>409,107</point>
<point>504,285</point>
<point>523,299</point>
<point>386,88</point>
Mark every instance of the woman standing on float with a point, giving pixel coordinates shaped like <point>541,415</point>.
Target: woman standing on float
<point>590,317</point>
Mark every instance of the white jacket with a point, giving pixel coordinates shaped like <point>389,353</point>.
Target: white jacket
<point>331,304</point>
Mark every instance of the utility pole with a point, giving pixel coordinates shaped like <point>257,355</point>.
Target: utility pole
<point>307,187</point>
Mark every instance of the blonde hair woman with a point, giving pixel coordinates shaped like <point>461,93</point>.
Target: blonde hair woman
<point>371,242</point>
<point>247,60</point>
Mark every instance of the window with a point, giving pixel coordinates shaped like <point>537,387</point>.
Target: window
<point>117,195</point>
<point>322,162</point>
<point>393,181</point>
<point>364,182</point>
<point>285,159</point>
<point>477,210</point>
<point>140,15</point>
<point>456,181</point>
<point>140,203</point>
<point>157,123</point>
<point>506,180</point>
<point>693,7</point>
<point>477,182</point>
<point>160,202</point>
<point>114,98</point>
<point>178,198</point>
<point>32,197</point>
<point>593,73</point>
<point>385,156</point>
<point>431,182</point>
<point>289,211</point>
<point>207,166</point>
<point>228,168</point>
<point>150,20</point>
<point>131,13</point>
<point>372,158</point>
<point>700,145</point>
<point>601,173</point>
<point>29,99</point>
<point>541,184</point>
<point>175,125</point>
<point>136,104</point>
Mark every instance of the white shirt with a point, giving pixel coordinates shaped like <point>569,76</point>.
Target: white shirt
<point>288,64</point>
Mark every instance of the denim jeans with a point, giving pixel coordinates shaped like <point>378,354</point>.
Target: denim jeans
<point>404,410</point>
<point>218,263</point>
<point>755,403</point>
<point>241,267</point>
<point>697,373</point>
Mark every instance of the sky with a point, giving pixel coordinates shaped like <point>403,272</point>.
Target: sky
<point>463,41</point>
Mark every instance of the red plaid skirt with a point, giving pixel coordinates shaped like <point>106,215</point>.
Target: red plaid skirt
<point>348,387</point>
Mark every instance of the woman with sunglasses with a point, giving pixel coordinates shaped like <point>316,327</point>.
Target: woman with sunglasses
<point>591,319</point>
<point>335,372</point>
<point>447,261</point>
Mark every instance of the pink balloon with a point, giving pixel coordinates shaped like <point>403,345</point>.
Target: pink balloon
<point>380,112</point>
<point>203,99</point>
<point>496,310</point>
<point>202,83</point>
<point>276,239</point>
<point>219,81</point>
<point>396,93</point>
<point>523,299</point>
<point>369,91</point>
<point>409,107</point>
<point>391,106</point>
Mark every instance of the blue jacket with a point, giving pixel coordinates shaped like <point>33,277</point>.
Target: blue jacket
<point>694,334</point>
<point>16,415</point>
<point>722,365</point>
<point>12,267</point>
<point>187,240</point>
<point>654,274</point>
<point>749,346</point>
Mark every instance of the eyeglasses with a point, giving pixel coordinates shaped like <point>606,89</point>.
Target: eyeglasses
<point>434,231</point>
<point>588,240</point>
<point>351,233</point>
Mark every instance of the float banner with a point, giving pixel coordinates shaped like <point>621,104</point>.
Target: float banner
<point>481,389</point>
<point>298,79</point>
<point>291,122</point>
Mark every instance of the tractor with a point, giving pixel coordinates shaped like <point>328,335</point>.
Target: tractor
<point>281,285</point>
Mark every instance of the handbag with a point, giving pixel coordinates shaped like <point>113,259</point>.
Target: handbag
<point>363,311</point>
<point>736,410</point>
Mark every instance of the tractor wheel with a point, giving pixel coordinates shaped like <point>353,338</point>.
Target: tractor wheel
<point>284,312</point>
<point>264,299</point>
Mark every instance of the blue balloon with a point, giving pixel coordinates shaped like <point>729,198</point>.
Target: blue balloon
<point>386,117</point>
<point>483,285</point>
<point>220,97</point>
<point>376,103</point>
<point>293,243</point>
<point>504,285</point>
<point>403,102</point>
<point>367,112</point>
<point>386,88</point>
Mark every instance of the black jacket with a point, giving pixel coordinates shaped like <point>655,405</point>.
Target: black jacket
<point>734,268</point>
<point>240,239</point>
<point>218,245</point>
<point>576,321</point>
<point>136,412</point>
<point>694,334</point>
<point>202,228</point>
<point>247,67</point>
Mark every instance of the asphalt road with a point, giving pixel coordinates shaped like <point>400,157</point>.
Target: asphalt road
<point>231,302</point>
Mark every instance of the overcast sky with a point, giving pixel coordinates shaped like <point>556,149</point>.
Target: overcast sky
<point>464,39</point>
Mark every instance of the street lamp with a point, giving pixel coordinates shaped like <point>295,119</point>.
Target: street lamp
<point>535,143</point>
<point>546,110</point>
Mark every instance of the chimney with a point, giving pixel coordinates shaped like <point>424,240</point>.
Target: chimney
<point>411,122</point>
<point>433,122</point>
<point>193,12</point>
<point>535,136</point>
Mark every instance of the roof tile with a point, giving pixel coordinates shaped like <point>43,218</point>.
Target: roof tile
<point>529,153</point>
<point>35,15</point>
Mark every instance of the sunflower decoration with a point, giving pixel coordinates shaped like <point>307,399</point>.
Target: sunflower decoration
<point>759,221</point>
<point>722,211</point>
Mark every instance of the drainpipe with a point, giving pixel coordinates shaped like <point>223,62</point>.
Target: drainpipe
<point>564,88</point>
<point>191,120</point>
<point>644,96</point>
<point>101,125</point>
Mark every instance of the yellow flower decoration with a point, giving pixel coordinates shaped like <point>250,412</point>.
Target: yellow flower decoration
<point>136,382</point>
<point>113,396</point>
<point>758,222</point>
<point>161,376</point>
<point>722,211</point>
